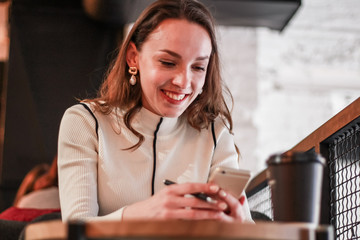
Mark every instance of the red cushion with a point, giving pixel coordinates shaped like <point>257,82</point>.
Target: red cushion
<point>24,214</point>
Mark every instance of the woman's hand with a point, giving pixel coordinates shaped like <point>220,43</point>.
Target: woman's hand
<point>236,207</point>
<point>173,202</point>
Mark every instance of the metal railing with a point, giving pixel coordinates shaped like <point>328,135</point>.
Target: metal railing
<point>344,167</point>
<point>338,140</point>
<point>260,201</point>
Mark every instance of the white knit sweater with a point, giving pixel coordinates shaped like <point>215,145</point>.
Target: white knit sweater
<point>97,178</point>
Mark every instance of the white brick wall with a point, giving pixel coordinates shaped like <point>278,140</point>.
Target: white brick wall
<point>238,53</point>
<point>287,84</point>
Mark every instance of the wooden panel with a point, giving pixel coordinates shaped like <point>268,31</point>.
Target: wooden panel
<point>180,229</point>
<point>46,230</point>
<point>255,182</point>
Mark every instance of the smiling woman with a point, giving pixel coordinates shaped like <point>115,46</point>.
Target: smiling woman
<point>160,114</point>
<point>172,65</point>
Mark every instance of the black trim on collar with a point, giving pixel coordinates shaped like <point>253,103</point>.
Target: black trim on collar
<point>154,153</point>
<point>213,133</point>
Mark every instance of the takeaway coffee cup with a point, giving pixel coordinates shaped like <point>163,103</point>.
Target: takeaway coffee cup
<point>295,180</point>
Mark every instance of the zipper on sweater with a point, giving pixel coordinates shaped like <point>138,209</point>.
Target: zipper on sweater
<point>154,154</point>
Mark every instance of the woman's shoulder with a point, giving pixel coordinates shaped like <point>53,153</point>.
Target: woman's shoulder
<point>79,114</point>
<point>91,108</point>
<point>220,128</point>
<point>78,122</point>
<point>220,123</point>
<point>92,113</point>
<point>82,109</point>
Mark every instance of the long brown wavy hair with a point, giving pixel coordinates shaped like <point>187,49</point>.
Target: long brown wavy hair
<point>116,93</point>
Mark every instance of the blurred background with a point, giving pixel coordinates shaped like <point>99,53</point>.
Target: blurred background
<point>288,83</point>
<point>290,66</point>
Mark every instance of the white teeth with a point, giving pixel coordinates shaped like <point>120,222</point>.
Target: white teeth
<point>177,97</point>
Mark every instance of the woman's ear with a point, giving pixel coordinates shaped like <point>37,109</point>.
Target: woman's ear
<point>132,56</point>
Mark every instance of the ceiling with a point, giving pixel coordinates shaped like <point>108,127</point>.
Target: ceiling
<point>250,13</point>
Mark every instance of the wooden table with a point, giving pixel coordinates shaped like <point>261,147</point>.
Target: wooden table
<point>176,229</point>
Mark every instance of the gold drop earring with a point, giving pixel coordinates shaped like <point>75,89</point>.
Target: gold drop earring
<point>133,71</point>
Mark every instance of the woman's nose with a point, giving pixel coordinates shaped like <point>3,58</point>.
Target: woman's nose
<point>182,80</point>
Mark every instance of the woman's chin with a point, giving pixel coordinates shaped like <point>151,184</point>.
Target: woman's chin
<point>172,113</point>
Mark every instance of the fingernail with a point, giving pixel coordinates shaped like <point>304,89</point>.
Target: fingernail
<point>222,193</point>
<point>223,206</point>
<point>214,188</point>
<point>242,200</point>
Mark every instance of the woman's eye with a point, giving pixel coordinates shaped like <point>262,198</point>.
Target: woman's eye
<point>167,63</point>
<point>199,68</point>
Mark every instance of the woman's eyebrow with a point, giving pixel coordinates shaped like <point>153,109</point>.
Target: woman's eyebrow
<point>176,55</point>
<point>202,58</point>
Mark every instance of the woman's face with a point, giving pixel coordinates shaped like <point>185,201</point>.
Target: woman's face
<point>172,64</point>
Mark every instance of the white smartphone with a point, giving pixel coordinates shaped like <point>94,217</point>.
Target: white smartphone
<point>231,180</point>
